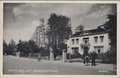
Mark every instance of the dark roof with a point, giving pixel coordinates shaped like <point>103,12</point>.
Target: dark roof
<point>89,32</point>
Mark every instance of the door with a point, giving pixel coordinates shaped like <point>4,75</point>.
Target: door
<point>85,50</point>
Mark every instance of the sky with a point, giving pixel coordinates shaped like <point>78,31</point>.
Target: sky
<point>21,19</point>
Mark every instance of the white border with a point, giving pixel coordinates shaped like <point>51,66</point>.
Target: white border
<point>59,76</point>
<point>60,2</point>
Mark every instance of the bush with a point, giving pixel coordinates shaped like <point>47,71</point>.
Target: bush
<point>108,57</point>
<point>75,55</point>
<point>103,57</point>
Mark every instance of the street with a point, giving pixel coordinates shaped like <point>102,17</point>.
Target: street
<point>18,65</point>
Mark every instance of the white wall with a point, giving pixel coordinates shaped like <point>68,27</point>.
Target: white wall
<point>105,43</point>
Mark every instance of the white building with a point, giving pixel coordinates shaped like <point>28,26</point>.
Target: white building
<point>88,41</point>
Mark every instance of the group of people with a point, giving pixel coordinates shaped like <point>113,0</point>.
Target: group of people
<point>93,58</point>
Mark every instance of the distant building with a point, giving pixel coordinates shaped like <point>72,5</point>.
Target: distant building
<point>39,34</point>
<point>88,41</point>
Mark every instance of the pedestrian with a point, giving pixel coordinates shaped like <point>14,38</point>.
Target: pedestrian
<point>86,59</point>
<point>93,57</point>
<point>39,56</point>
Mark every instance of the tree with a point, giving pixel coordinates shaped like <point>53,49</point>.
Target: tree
<point>79,28</point>
<point>27,48</point>
<point>12,47</point>
<point>33,48</point>
<point>21,47</point>
<point>5,47</point>
<point>110,27</point>
<point>59,30</point>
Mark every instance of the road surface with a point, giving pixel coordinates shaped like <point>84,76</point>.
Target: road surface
<point>18,65</point>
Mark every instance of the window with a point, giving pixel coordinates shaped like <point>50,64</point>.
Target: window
<point>77,41</point>
<point>101,38</point>
<point>73,41</point>
<point>85,40</point>
<point>75,50</point>
<point>98,49</point>
<point>96,39</point>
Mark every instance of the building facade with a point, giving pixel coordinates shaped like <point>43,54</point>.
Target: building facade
<point>88,41</point>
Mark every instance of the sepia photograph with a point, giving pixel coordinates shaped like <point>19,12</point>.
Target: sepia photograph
<point>59,38</point>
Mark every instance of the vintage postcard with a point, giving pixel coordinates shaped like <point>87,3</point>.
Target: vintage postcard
<point>59,39</point>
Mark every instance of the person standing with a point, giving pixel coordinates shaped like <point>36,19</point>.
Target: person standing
<point>86,59</point>
<point>93,57</point>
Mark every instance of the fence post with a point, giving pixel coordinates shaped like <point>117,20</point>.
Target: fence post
<point>29,55</point>
<point>18,54</point>
<point>70,57</point>
<point>51,54</point>
<point>64,55</point>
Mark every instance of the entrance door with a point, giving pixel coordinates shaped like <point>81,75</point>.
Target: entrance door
<point>85,50</point>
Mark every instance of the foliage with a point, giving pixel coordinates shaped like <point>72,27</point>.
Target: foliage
<point>79,28</point>
<point>103,57</point>
<point>5,48</point>
<point>111,27</point>
<point>75,55</point>
<point>23,47</point>
<point>11,48</point>
<point>33,48</point>
<point>107,57</point>
<point>59,30</point>
<point>27,47</point>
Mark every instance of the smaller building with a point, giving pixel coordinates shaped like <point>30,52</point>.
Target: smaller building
<point>88,41</point>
